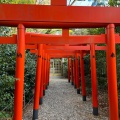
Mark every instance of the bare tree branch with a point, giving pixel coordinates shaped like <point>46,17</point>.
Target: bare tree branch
<point>73,2</point>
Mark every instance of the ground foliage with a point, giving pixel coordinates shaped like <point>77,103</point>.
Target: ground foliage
<point>7,76</point>
<point>65,68</point>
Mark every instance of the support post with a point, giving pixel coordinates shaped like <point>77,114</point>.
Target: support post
<point>68,69</point>
<point>72,61</point>
<point>37,83</point>
<point>45,71</point>
<point>48,70</point>
<point>41,86</point>
<point>94,80</point>
<point>43,77</point>
<point>82,72</point>
<point>72,82</point>
<point>111,73</point>
<point>76,74</point>
<point>19,75</point>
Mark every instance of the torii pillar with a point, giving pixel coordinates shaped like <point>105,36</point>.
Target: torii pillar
<point>48,70</point>
<point>48,65</point>
<point>41,86</point>
<point>19,75</point>
<point>68,69</point>
<point>72,81</point>
<point>43,74</point>
<point>38,83</point>
<point>74,75</point>
<point>111,73</point>
<point>94,79</point>
<point>76,72</point>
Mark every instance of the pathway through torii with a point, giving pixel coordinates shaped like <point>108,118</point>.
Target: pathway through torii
<point>58,15</point>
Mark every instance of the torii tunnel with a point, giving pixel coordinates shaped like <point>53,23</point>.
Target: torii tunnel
<point>59,15</point>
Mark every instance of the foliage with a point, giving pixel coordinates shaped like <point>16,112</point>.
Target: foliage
<point>78,31</point>
<point>65,68</point>
<point>114,2</point>
<point>101,71</point>
<point>87,73</point>
<point>18,1</point>
<point>96,31</point>
<point>30,70</point>
<point>4,31</point>
<point>7,67</point>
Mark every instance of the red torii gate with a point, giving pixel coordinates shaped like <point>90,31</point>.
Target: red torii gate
<point>68,51</point>
<point>55,50</point>
<point>70,48</point>
<point>19,15</point>
<point>59,39</point>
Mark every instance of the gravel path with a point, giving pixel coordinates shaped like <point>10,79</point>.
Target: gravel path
<point>62,102</point>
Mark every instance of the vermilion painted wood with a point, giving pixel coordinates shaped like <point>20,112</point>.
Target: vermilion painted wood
<point>47,17</point>
<point>76,72</point>
<point>59,51</point>
<point>112,74</point>
<point>41,87</point>
<point>37,82</point>
<point>62,40</point>
<point>19,75</point>
<point>8,40</point>
<point>64,56</point>
<point>31,46</point>
<point>50,19</point>
<point>94,80</point>
<point>58,40</point>
<point>63,47</point>
<point>45,71</point>
<point>48,67</point>
<point>49,70</point>
<point>44,75</point>
<point>60,55</point>
<point>54,17</point>
<point>72,71</point>
<point>70,48</point>
<point>69,69</point>
<point>55,52</point>
<point>59,2</point>
<point>65,32</point>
